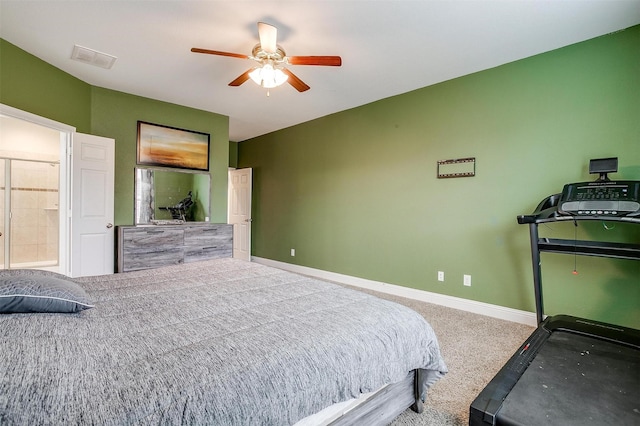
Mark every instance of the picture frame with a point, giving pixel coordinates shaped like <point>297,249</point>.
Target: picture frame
<point>167,146</point>
<point>455,168</point>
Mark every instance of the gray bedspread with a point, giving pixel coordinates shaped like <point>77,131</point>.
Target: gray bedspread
<point>221,342</point>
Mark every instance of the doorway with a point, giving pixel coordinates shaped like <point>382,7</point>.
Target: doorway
<point>33,191</point>
<point>240,185</point>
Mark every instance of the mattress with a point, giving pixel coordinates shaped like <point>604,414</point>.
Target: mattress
<point>219,342</point>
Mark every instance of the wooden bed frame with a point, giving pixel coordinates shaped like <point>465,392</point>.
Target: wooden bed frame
<point>387,403</point>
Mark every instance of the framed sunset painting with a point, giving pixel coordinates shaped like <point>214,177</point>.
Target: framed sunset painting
<point>172,147</point>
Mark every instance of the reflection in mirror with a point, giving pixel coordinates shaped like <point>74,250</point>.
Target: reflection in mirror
<point>171,195</point>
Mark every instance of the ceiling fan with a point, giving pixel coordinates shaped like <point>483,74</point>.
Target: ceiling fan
<point>271,58</point>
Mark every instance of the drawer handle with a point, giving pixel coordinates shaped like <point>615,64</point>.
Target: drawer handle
<point>155,232</point>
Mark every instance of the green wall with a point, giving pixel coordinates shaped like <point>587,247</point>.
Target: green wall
<point>356,192</point>
<point>32,85</point>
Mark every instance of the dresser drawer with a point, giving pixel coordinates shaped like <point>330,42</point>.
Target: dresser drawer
<point>196,253</point>
<point>151,257</point>
<point>152,237</point>
<point>208,235</point>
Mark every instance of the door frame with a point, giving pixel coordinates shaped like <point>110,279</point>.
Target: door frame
<point>66,135</point>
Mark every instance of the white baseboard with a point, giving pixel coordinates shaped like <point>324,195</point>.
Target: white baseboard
<point>495,311</point>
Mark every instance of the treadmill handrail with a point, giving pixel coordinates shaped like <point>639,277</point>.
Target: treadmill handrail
<point>547,211</point>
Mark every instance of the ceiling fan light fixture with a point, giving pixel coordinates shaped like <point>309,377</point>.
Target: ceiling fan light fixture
<point>268,77</point>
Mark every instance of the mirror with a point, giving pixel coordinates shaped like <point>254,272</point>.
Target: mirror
<point>169,195</point>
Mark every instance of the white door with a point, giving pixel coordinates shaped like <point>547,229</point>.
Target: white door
<point>240,212</point>
<point>92,233</point>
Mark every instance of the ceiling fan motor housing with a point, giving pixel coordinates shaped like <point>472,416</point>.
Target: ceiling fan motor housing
<point>260,55</point>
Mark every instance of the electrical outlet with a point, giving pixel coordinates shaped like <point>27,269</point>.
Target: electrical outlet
<point>440,275</point>
<point>467,280</point>
<point>293,252</point>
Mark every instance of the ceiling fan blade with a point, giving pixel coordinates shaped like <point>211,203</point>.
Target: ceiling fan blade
<point>241,78</point>
<point>331,61</point>
<point>293,80</point>
<point>217,52</point>
<point>268,36</point>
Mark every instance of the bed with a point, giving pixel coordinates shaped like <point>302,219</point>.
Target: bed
<point>224,342</point>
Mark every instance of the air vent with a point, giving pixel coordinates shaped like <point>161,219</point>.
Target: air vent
<point>92,57</point>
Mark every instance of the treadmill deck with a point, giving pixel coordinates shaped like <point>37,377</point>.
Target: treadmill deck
<point>570,371</point>
<point>576,380</point>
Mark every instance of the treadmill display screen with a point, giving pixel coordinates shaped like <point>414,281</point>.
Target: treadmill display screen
<point>612,198</point>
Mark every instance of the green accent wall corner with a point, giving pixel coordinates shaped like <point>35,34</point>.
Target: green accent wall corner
<point>30,84</point>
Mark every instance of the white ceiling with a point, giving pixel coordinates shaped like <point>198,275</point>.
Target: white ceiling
<point>387,47</point>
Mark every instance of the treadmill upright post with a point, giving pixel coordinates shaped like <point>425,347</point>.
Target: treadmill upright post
<point>537,270</point>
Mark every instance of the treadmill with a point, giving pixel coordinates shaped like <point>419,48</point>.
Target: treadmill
<point>572,371</point>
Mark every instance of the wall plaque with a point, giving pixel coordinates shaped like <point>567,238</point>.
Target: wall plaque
<point>460,167</point>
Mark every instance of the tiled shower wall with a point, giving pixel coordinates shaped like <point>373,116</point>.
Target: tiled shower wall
<point>34,205</point>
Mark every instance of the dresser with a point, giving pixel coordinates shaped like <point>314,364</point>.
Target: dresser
<point>153,246</point>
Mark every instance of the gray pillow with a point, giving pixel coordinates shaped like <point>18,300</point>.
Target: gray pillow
<point>29,290</point>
